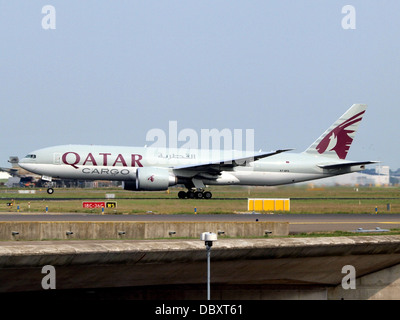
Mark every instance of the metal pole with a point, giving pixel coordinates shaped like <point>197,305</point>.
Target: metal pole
<point>208,247</point>
<point>208,237</point>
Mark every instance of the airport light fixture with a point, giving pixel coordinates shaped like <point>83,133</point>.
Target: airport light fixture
<point>208,238</point>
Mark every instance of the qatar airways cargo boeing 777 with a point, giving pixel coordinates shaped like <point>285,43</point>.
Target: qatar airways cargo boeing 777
<point>150,168</point>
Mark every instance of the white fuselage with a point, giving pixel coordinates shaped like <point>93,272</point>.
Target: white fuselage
<point>121,163</point>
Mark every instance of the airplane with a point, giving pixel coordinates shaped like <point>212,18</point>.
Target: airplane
<point>22,176</point>
<point>15,170</point>
<point>156,169</point>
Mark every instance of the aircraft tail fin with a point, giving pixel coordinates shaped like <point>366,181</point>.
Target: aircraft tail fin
<point>14,161</point>
<point>336,140</point>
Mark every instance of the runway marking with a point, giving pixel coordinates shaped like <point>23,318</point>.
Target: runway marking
<point>346,222</point>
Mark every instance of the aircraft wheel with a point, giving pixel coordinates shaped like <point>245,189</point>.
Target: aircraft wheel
<point>50,190</point>
<point>181,194</point>
<point>190,195</point>
<point>198,194</point>
<point>207,195</point>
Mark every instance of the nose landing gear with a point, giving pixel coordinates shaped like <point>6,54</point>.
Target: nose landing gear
<point>50,189</point>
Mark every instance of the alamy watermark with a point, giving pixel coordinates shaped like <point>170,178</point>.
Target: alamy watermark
<point>209,146</point>
<point>209,138</point>
<point>49,20</point>
<point>349,280</point>
<point>49,280</point>
<point>349,20</point>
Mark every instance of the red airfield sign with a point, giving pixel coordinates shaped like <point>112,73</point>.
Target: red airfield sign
<point>93,204</point>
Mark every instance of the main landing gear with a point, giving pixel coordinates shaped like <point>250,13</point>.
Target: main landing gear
<point>195,194</point>
<point>195,190</point>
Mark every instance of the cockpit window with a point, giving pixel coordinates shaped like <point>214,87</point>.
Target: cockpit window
<point>31,156</point>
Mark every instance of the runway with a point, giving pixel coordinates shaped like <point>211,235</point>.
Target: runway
<point>298,223</point>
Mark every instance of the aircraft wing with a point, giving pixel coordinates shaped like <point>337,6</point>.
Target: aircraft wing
<point>221,165</point>
<point>345,164</point>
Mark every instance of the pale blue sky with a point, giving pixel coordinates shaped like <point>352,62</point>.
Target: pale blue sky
<point>113,70</point>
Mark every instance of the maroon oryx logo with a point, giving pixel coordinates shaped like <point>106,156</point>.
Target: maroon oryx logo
<point>151,178</point>
<point>338,139</point>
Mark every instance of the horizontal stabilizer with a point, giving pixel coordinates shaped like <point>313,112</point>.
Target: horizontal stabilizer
<point>345,164</point>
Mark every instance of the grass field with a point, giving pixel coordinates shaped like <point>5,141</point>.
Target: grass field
<point>304,199</point>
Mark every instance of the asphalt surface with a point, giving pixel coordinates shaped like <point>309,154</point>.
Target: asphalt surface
<point>298,223</point>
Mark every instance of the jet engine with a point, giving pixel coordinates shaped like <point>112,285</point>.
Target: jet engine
<point>151,179</point>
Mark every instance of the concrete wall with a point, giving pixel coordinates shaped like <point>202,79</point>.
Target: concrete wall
<point>278,268</point>
<point>57,230</point>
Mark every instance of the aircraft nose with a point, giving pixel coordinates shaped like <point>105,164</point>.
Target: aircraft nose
<point>22,163</point>
<point>27,166</point>
<point>26,161</point>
